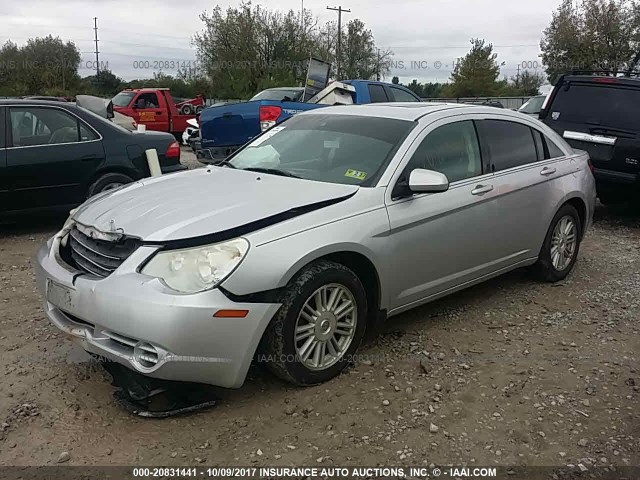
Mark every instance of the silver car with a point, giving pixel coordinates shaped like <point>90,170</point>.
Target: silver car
<point>288,251</point>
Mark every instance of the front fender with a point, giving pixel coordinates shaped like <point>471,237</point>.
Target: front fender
<point>273,264</point>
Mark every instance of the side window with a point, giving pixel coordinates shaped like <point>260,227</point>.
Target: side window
<point>86,134</point>
<point>451,149</point>
<point>147,100</point>
<point>377,93</point>
<point>400,95</point>
<point>31,126</point>
<point>554,150</point>
<point>510,144</point>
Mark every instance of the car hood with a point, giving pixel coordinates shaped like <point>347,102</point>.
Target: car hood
<point>204,203</point>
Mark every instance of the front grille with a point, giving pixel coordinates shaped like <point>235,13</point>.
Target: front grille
<point>97,257</point>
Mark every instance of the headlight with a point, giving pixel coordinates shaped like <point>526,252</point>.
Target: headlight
<point>193,270</point>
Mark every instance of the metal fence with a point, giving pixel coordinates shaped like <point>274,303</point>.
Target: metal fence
<point>507,102</point>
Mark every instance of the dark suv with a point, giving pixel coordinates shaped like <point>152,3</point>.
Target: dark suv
<point>600,113</point>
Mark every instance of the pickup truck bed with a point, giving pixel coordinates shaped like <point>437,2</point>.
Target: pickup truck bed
<point>225,128</point>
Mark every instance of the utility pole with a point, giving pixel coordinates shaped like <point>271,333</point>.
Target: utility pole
<point>62,65</point>
<point>302,16</point>
<point>339,9</point>
<point>95,29</point>
<point>518,77</point>
<point>378,66</point>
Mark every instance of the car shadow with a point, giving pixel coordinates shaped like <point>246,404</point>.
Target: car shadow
<point>624,215</point>
<point>32,224</point>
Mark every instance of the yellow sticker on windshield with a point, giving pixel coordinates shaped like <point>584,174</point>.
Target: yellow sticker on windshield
<point>356,174</point>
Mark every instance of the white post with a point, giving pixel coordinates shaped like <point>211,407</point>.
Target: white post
<point>154,163</point>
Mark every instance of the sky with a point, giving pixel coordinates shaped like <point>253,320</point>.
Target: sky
<point>425,36</point>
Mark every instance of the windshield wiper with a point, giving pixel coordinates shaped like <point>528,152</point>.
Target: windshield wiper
<point>224,163</point>
<point>273,171</point>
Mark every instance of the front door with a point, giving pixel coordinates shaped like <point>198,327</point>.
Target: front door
<point>150,112</point>
<point>51,157</point>
<point>442,240</point>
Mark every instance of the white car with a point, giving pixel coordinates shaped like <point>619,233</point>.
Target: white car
<point>190,130</point>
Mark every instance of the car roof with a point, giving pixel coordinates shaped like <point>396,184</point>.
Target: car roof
<point>601,79</point>
<point>285,88</point>
<point>27,101</point>
<point>410,111</point>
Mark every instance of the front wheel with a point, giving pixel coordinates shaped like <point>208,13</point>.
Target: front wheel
<point>320,325</point>
<point>560,248</point>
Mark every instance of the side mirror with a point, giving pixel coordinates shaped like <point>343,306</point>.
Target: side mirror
<point>427,181</point>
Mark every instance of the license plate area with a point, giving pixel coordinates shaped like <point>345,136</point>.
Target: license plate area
<point>59,295</point>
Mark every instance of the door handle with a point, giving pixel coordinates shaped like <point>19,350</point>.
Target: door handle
<point>480,189</point>
<point>547,171</point>
<point>88,157</point>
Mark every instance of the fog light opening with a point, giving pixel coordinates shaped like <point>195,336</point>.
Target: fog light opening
<point>145,355</point>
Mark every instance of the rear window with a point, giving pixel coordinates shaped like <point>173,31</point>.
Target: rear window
<point>278,95</point>
<point>596,106</point>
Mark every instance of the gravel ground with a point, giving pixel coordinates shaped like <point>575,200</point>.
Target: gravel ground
<point>511,372</point>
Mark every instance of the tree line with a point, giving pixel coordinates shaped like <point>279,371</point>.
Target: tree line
<point>242,50</point>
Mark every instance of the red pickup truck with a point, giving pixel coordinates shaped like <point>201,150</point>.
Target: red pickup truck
<point>156,108</point>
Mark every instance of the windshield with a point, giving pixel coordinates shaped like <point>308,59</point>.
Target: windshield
<point>533,105</point>
<point>123,99</point>
<point>345,149</point>
<point>279,94</point>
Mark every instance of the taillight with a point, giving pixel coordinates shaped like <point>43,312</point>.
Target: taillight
<point>173,151</point>
<point>591,167</point>
<point>268,116</point>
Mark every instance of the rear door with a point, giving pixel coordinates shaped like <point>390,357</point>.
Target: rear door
<point>4,179</point>
<point>528,184</point>
<point>600,115</point>
<point>51,156</point>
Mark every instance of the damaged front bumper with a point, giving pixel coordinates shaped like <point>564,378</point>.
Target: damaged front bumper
<point>137,321</point>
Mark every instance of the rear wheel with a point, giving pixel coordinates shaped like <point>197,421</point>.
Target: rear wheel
<point>560,249</point>
<point>108,181</point>
<point>320,325</point>
<point>186,109</point>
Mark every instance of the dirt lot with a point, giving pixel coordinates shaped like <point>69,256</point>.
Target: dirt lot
<point>511,372</point>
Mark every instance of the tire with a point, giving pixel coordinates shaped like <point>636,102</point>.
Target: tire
<point>551,268</point>
<point>199,109</point>
<point>284,356</point>
<point>186,109</point>
<point>108,181</point>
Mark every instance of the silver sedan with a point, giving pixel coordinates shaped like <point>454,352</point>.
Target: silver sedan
<point>288,251</point>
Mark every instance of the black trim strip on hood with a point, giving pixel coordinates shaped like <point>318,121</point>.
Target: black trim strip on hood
<point>247,228</point>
